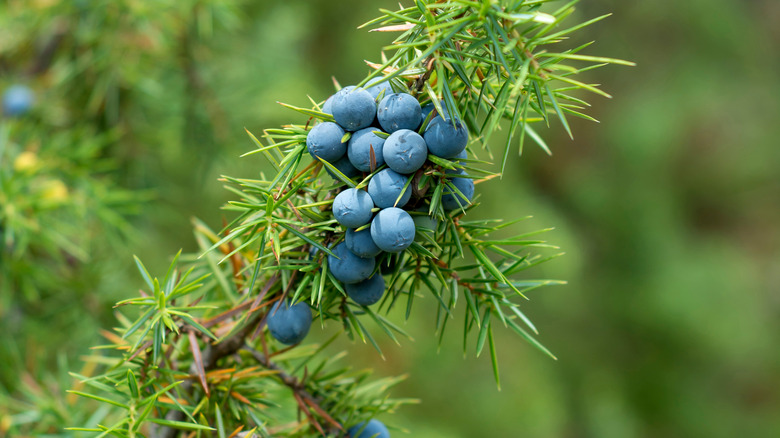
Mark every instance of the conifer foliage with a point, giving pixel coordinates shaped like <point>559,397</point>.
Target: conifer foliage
<point>366,210</point>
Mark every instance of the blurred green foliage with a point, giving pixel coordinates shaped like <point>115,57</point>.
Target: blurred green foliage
<point>668,211</point>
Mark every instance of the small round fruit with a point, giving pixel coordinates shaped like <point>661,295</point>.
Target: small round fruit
<point>361,244</point>
<point>427,109</point>
<point>344,166</point>
<point>461,156</point>
<point>289,324</point>
<point>353,109</point>
<point>349,268</point>
<point>376,86</point>
<point>324,142</point>
<point>17,100</point>
<point>446,138</point>
<point>352,208</point>
<point>327,107</point>
<point>374,429</point>
<point>367,292</point>
<point>359,149</point>
<point>405,151</point>
<point>451,200</point>
<point>386,186</point>
<point>392,230</point>
<point>399,111</point>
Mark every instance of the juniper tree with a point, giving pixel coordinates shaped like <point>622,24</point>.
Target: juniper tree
<point>193,355</point>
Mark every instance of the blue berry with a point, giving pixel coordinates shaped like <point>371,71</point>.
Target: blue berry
<point>450,200</point>
<point>386,186</point>
<point>376,86</point>
<point>354,108</point>
<point>427,109</point>
<point>17,100</point>
<point>361,244</point>
<point>289,324</point>
<point>405,151</point>
<point>399,111</point>
<point>374,429</point>
<point>352,208</point>
<point>349,268</point>
<point>446,138</point>
<point>367,292</point>
<point>461,156</point>
<point>392,230</point>
<point>344,166</point>
<point>324,142</point>
<point>359,149</point>
<point>327,107</point>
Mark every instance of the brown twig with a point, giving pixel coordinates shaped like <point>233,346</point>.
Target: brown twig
<point>305,399</point>
<point>453,274</point>
<point>420,82</point>
<point>209,358</point>
<point>45,57</point>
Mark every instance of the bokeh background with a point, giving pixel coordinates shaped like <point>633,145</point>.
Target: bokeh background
<point>668,210</point>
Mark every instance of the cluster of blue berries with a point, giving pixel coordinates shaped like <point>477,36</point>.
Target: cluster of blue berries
<point>384,133</point>
<point>376,132</point>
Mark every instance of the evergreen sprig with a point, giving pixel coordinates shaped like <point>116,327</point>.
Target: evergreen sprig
<point>197,356</point>
<point>488,61</point>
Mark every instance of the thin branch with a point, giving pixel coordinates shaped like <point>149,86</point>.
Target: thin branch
<point>298,388</point>
<point>420,82</point>
<point>45,57</point>
<point>211,355</point>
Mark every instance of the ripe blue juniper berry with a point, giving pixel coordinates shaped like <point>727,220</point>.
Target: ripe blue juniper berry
<point>352,208</point>
<point>289,324</point>
<point>452,200</point>
<point>399,111</point>
<point>393,229</point>
<point>365,150</point>
<point>377,87</point>
<point>324,142</point>
<point>343,165</point>
<point>446,137</point>
<point>353,109</point>
<point>373,429</point>
<point>361,243</point>
<point>17,100</point>
<point>368,291</point>
<point>386,187</point>
<point>349,268</point>
<point>405,151</point>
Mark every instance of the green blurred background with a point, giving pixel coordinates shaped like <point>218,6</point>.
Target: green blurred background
<point>668,212</point>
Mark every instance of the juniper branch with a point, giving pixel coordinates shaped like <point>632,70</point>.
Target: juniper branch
<point>214,352</point>
<point>211,357</point>
<point>468,61</point>
<point>296,385</point>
